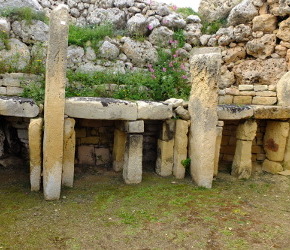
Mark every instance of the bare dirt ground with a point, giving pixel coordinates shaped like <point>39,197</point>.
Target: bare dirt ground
<point>101,212</point>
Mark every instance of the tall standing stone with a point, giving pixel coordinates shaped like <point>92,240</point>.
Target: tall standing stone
<point>35,152</point>
<point>219,135</point>
<point>205,72</point>
<point>119,149</point>
<point>69,146</point>
<point>54,102</point>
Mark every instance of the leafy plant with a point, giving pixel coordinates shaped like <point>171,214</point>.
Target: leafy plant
<point>4,38</point>
<point>24,13</point>
<point>35,90</point>
<point>186,163</point>
<point>185,12</point>
<point>212,27</point>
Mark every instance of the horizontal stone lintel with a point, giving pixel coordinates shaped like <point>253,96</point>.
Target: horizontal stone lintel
<point>114,109</point>
<point>238,112</point>
<point>18,107</point>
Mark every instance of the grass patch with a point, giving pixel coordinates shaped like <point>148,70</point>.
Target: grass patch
<point>212,27</point>
<point>186,11</point>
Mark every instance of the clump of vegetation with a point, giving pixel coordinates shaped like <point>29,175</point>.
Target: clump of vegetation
<point>35,90</point>
<point>186,163</point>
<point>4,38</point>
<point>24,13</point>
<point>89,35</point>
<point>185,12</point>
<point>212,27</point>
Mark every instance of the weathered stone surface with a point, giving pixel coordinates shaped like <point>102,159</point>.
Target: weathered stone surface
<point>266,23</point>
<point>234,54</point>
<point>100,108</point>
<point>161,35</point>
<point>75,55</point>
<point>247,130</point>
<point>219,135</point>
<point>174,21</point>
<point>55,102</point>
<point>69,146</point>
<point>119,150</point>
<point>283,90</point>
<point>137,25</point>
<point>242,100</point>
<point>148,110</point>
<point>175,102</point>
<point>180,148</point>
<point>141,53</point>
<point>284,30</point>
<point>271,112</point>
<point>286,163</point>
<point>261,100</point>
<point>182,113</point>
<point>109,51</point>
<point>134,127</point>
<point>4,25</point>
<point>242,164</point>
<point>4,4</point>
<point>35,130</point>
<point>86,155</point>
<point>234,112</point>
<point>242,13</point>
<point>164,163</point>
<point>216,9</point>
<point>265,72</point>
<point>205,66</point>
<point>275,140</point>
<point>132,170</point>
<point>168,130</point>
<point>262,47</point>
<point>272,167</point>
<point>17,106</point>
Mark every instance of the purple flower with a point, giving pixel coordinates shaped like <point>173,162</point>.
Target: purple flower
<point>164,69</point>
<point>184,77</point>
<point>174,55</point>
<point>174,7</point>
<point>182,66</point>
<point>151,70</point>
<point>170,64</point>
<point>150,27</point>
<point>149,66</point>
<point>153,76</point>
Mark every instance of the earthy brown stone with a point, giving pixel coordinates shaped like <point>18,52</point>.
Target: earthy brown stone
<point>217,149</point>
<point>119,149</point>
<point>164,163</point>
<point>265,23</point>
<point>247,130</point>
<point>272,167</point>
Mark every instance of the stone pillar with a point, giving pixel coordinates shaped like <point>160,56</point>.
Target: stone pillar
<point>119,149</point>
<point>164,162</point>
<point>132,170</point>
<point>35,152</point>
<point>54,102</point>
<point>219,136</point>
<point>275,140</point>
<point>286,163</point>
<point>180,148</point>
<point>205,73</point>
<point>242,164</point>
<point>69,148</point>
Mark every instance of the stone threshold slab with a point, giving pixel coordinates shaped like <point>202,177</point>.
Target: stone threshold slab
<point>18,106</point>
<point>114,109</point>
<point>237,112</point>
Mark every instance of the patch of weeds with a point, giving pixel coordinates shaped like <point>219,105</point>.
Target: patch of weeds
<point>89,35</point>
<point>24,13</point>
<point>35,90</point>
<point>4,38</point>
<point>186,11</point>
<point>179,37</point>
<point>212,27</point>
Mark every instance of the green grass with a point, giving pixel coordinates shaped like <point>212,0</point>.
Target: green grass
<point>212,27</point>
<point>185,12</point>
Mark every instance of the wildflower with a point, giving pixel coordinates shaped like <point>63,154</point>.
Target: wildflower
<point>151,70</point>
<point>174,7</point>
<point>164,69</point>
<point>184,77</point>
<point>153,76</point>
<point>182,66</point>
<point>170,64</point>
<point>149,66</point>
<point>174,55</point>
<point>150,27</point>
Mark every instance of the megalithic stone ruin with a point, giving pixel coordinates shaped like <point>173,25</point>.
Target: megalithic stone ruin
<point>205,72</point>
<point>54,102</point>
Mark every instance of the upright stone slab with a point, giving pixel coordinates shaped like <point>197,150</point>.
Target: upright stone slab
<point>242,163</point>
<point>164,162</point>
<point>54,102</point>
<point>205,72</point>
<point>286,163</point>
<point>180,148</point>
<point>69,146</point>
<point>119,149</point>
<point>219,135</point>
<point>275,140</point>
<point>35,152</point>
<point>132,171</point>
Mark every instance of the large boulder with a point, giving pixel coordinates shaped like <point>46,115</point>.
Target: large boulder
<point>74,55</point>
<point>242,13</point>
<point>161,36</point>
<point>174,21</point>
<point>137,25</point>
<point>284,30</point>
<point>37,31</point>
<point>216,9</point>
<point>20,3</point>
<point>140,53</point>
<point>113,15</point>
<point>262,47</point>
<point>109,50</point>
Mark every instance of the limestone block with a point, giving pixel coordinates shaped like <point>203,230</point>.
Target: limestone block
<point>266,93</point>
<point>205,66</point>
<point>242,99</point>
<point>272,167</point>
<point>180,148</point>
<point>286,163</point>
<point>260,100</point>
<point>119,149</point>
<point>275,140</point>
<point>265,23</point>
<point>227,99</point>
<point>168,130</point>
<point>100,108</point>
<point>234,112</point>
<point>103,156</point>
<point>35,130</point>
<point>261,87</point>
<point>54,102</point>
<point>247,130</point>
<point>164,163</point>
<point>262,47</point>
<point>246,87</point>
<point>14,91</point>
<point>132,170</point>
<point>219,135</point>
<point>175,102</point>
<point>86,155</point>
<point>182,113</point>
<point>242,163</point>
<point>154,110</point>
<point>284,30</point>
<point>17,106</point>
<point>134,127</point>
<point>271,112</point>
<point>283,90</point>
<point>69,146</point>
